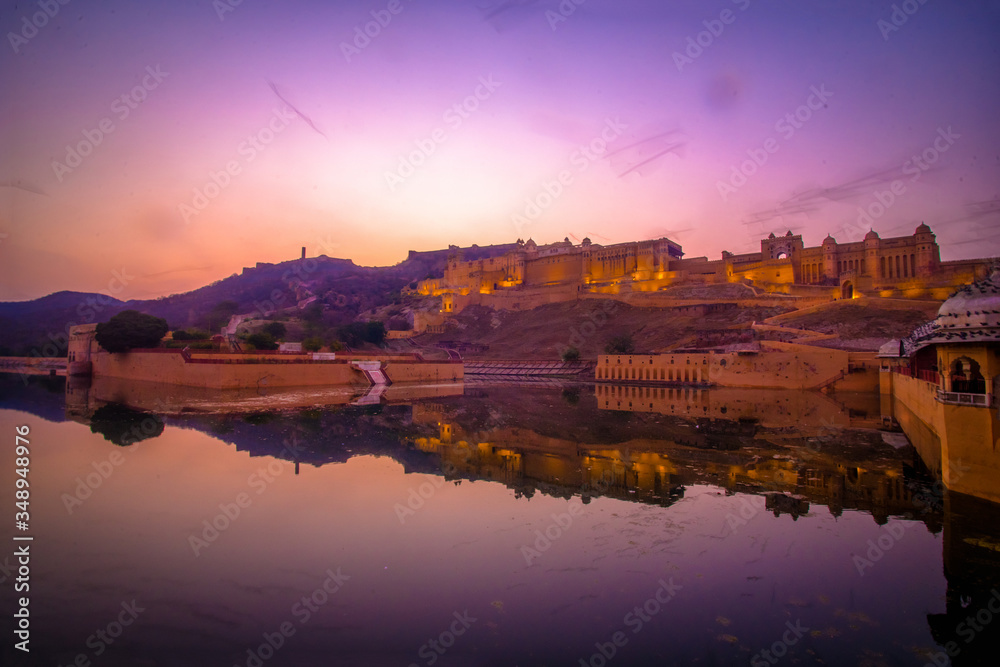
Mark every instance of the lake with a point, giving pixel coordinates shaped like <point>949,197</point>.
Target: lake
<point>487,524</point>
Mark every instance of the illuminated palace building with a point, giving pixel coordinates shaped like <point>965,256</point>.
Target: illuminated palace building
<point>530,275</point>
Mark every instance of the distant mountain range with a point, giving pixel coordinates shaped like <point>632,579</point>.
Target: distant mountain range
<point>38,327</point>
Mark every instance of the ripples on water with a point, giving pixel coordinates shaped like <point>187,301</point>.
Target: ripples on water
<point>490,525</point>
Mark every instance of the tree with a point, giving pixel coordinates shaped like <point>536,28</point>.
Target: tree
<point>312,344</point>
<point>571,354</point>
<point>313,312</point>
<point>191,334</point>
<point>276,329</point>
<point>219,316</point>
<point>620,345</point>
<point>123,425</point>
<point>131,329</point>
<point>262,341</point>
<point>357,333</point>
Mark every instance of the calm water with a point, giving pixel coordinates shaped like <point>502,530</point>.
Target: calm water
<point>488,525</point>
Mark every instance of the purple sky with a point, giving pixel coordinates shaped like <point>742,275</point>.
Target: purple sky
<point>489,102</point>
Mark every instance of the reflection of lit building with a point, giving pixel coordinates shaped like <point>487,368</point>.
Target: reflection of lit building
<point>943,397</point>
<point>807,412</point>
<point>704,451</point>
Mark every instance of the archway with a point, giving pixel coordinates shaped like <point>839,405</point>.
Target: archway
<point>847,290</point>
<point>966,377</point>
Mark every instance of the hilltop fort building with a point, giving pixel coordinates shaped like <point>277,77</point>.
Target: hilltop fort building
<point>530,275</point>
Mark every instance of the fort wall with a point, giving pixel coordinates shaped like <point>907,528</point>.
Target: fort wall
<point>777,365</point>
<point>906,267</point>
<point>236,371</point>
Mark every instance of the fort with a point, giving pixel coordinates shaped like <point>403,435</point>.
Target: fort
<point>531,275</point>
<point>255,370</point>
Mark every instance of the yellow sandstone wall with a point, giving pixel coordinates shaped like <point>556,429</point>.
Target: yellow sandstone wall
<point>778,365</point>
<point>170,368</point>
<point>961,440</point>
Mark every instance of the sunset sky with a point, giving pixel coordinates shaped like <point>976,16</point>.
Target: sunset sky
<point>176,142</point>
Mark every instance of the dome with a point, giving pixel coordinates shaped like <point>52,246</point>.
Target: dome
<point>829,239</point>
<point>972,314</point>
<point>872,234</point>
<point>586,241</point>
<point>771,236</point>
<point>923,229</point>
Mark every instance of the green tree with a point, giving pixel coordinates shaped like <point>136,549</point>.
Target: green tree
<point>620,345</point>
<point>131,329</point>
<point>313,312</point>
<point>276,329</point>
<point>191,334</point>
<point>312,344</point>
<point>357,333</point>
<point>570,354</point>
<point>262,341</point>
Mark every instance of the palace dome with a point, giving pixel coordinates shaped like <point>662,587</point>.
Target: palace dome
<point>923,229</point>
<point>829,239</point>
<point>972,314</point>
<point>872,234</point>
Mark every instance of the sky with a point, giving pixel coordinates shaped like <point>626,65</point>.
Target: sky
<point>151,148</point>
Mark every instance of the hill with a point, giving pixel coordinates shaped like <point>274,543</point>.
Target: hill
<point>28,327</point>
<point>589,325</point>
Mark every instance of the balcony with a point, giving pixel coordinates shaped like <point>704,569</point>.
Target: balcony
<point>957,398</point>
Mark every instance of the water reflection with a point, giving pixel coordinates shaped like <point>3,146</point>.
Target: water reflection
<point>758,504</point>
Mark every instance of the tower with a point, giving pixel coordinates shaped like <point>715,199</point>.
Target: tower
<point>927,251</point>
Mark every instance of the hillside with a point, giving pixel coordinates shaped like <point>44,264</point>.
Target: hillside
<point>588,325</point>
<point>348,289</point>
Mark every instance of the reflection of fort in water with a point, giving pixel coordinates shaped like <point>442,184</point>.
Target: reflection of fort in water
<point>793,471</point>
<point>557,442</point>
<point>641,444</point>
